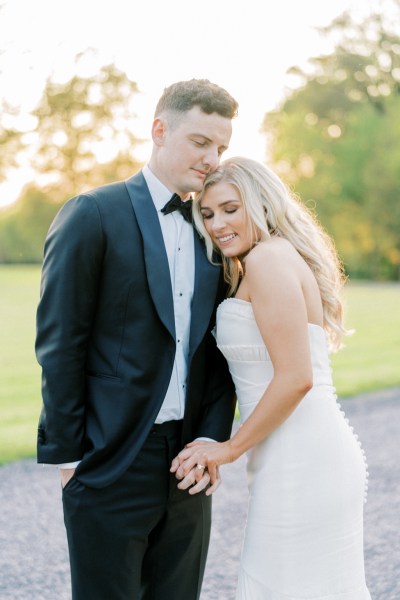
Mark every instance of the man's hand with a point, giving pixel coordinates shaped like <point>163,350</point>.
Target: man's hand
<point>66,475</point>
<point>194,481</point>
<point>197,478</point>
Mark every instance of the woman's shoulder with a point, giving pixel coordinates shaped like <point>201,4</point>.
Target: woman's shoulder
<point>274,251</point>
<point>272,265</point>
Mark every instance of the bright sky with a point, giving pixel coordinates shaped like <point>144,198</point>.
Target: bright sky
<point>245,46</point>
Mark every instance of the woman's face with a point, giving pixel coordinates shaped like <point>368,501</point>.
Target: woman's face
<point>225,220</point>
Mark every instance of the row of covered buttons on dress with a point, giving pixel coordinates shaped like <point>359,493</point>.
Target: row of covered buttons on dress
<point>359,443</point>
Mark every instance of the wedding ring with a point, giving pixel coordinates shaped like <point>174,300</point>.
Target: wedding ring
<point>199,466</point>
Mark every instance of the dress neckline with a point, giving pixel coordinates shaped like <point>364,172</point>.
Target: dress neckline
<point>247,303</point>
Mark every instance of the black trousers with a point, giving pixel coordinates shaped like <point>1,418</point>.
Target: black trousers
<point>140,538</point>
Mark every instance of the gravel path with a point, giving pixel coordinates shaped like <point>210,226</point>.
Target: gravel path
<point>33,550</point>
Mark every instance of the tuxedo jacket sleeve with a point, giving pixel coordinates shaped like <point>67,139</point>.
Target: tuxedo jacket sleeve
<point>74,251</point>
<point>106,336</point>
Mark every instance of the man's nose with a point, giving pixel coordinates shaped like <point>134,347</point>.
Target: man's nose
<point>211,158</point>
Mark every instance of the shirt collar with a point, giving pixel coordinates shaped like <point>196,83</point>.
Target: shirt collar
<point>159,192</point>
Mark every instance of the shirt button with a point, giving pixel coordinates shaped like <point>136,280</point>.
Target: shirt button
<point>180,293</point>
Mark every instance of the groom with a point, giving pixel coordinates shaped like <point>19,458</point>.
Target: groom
<point>131,372</point>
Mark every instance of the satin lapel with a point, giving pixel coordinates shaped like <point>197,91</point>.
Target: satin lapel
<point>155,255</point>
<point>204,296</point>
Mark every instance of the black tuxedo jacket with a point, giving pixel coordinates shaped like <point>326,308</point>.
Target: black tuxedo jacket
<point>106,335</point>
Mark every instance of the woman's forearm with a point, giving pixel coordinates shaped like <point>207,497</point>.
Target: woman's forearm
<point>277,403</point>
<point>275,406</point>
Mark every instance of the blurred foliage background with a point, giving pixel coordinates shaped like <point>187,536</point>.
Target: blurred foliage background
<point>81,139</point>
<point>334,139</point>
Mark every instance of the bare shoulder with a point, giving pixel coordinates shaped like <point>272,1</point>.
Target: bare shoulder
<point>270,257</point>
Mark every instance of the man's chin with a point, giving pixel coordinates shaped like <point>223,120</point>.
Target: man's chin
<point>197,185</point>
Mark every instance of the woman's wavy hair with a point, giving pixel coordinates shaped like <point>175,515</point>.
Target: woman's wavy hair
<point>271,209</point>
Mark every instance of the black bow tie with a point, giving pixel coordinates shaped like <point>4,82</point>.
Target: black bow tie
<point>177,204</point>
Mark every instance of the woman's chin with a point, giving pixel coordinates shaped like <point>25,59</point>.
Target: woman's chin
<point>228,252</point>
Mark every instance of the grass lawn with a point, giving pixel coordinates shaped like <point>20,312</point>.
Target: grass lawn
<point>19,373</point>
<point>370,360</point>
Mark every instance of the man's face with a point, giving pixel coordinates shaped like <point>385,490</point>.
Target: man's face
<point>189,149</point>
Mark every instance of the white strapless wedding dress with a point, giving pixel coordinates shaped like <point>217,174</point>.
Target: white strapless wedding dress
<point>307,480</point>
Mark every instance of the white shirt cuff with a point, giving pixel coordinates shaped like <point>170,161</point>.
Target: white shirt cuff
<point>70,465</point>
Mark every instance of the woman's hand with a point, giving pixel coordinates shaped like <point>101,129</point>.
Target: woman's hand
<point>201,455</point>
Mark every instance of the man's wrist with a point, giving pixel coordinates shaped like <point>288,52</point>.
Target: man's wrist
<point>70,465</point>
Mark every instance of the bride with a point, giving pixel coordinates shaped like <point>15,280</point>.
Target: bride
<point>306,471</point>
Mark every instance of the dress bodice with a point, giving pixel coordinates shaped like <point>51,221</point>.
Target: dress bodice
<point>240,341</point>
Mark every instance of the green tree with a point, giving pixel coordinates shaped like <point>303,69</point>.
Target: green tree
<point>84,131</point>
<point>335,141</point>
<point>24,225</point>
<point>83,138</point>
<point>11,139</point>
<point>11,134</point>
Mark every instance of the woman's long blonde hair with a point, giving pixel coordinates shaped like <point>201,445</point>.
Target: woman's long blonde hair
<point>272,210</point>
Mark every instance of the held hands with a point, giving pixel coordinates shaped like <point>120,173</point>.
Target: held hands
<point>198,463</point>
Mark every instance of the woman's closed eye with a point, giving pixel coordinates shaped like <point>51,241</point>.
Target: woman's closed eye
<point>227,211</point>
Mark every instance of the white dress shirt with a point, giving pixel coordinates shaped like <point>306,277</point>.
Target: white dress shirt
<point>179,244</point>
